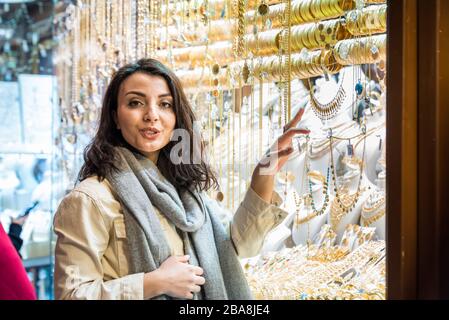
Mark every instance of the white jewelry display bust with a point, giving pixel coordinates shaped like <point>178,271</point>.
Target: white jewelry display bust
<point>275,239</point>
<point>350,181</point>
<point>369,148</point>
<point>375,127</point>
<point>376,194</point>
<point>341,125</point>
<point>307,230</point>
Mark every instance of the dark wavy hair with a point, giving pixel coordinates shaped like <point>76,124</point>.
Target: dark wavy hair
<point>99,155</point>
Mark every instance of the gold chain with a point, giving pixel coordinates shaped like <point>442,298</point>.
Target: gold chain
<point>369,221</point>
<point>379,203</point>
<point>344,204</point>
<point>241,5</point>
<point>76,58</point>
<point>338,209</point>
<point>329,110</point>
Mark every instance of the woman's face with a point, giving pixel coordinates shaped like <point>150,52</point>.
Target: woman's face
<point>145,113</point>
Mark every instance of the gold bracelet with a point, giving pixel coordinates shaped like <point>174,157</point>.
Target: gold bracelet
<point>317,63</point>
<point>319,9</point>
<point>295,38</point>
<point>311,37</point>
<point>364,52</point>
<point>305,37</point>
<point>296,18</point>
<point>305,10</point>
<point>302,68</point>
<point>311,65</point>
<point>330,7</point>
<point>301,13</point>
<point>333,8</point>
<point>299,67</point>
<point>316,36</point>
<point>325,8</point>
<point>315,10</point>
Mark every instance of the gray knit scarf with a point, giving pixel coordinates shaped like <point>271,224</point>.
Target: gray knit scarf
<point>139,186</point>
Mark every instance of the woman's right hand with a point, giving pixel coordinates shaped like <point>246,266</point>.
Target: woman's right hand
<point>177,278</point>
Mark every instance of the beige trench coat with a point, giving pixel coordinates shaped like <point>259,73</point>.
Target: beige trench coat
<point>90,254</point>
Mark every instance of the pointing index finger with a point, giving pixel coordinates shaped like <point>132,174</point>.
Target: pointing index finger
<point>295,120</point>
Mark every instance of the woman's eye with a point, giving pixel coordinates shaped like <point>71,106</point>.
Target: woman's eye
<point>134,103</point>
<point>166,105</point>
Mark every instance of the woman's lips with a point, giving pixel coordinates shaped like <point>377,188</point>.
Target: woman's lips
<point>149,134</point>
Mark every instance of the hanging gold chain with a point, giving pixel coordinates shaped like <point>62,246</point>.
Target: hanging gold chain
<point>241,5</point>
<point>288,68</point>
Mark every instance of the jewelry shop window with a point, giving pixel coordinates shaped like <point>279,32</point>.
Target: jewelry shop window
<point>248,67</point>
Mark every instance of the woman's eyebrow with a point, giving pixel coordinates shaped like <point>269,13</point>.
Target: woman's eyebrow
<point>136,93</point>
<point>165,95</point>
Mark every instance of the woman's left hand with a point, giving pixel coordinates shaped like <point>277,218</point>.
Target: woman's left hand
<point>262,181</point>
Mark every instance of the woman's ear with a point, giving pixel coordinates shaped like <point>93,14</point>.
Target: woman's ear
<point>114,115</point>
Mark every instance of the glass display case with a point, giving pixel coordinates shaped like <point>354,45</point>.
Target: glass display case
<point>248,67</point>
<point>357,186</point>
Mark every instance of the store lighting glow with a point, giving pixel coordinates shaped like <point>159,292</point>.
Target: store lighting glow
<point>15,1</point>
<point>6,33</point>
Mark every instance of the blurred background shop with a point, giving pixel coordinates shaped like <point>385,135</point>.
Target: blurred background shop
<point>27,128</point>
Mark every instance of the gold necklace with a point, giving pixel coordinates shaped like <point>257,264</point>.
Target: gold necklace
<point>309,216</point>
<point>373,212</point>
<point>329,110</point>
<point>75,61</point>
<point>251,117</point>
<point>306,219</point>
<point>284,65</point>
<point>140,26</point>
<point>148,25</point>
<point>156,20</point>
<point>263,14</point>
<point>369,221</point>
<point>240,13</point>
<point>127,35</point>
<point>288,68</point>
<point>132,31</point>
<point>325,185</point>
<point>368,133</point>
<point>344,204</point>
<point>326,196</point>
<point>241,104</point>
<point>232,115</point>
<point>337,212</point>
<point>100,23</point>
<point>83,64</point>
<point>317,148</point>
<point>298,201</point>
<point>108,38</point>
<point>119,42</point>
<point>379,203</point>
<point>228,153</point>
<point>114,48</point>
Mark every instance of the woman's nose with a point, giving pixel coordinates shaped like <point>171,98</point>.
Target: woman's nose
<point>151,113</point>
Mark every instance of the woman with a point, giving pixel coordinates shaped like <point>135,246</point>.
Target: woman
<point>139,225</point>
